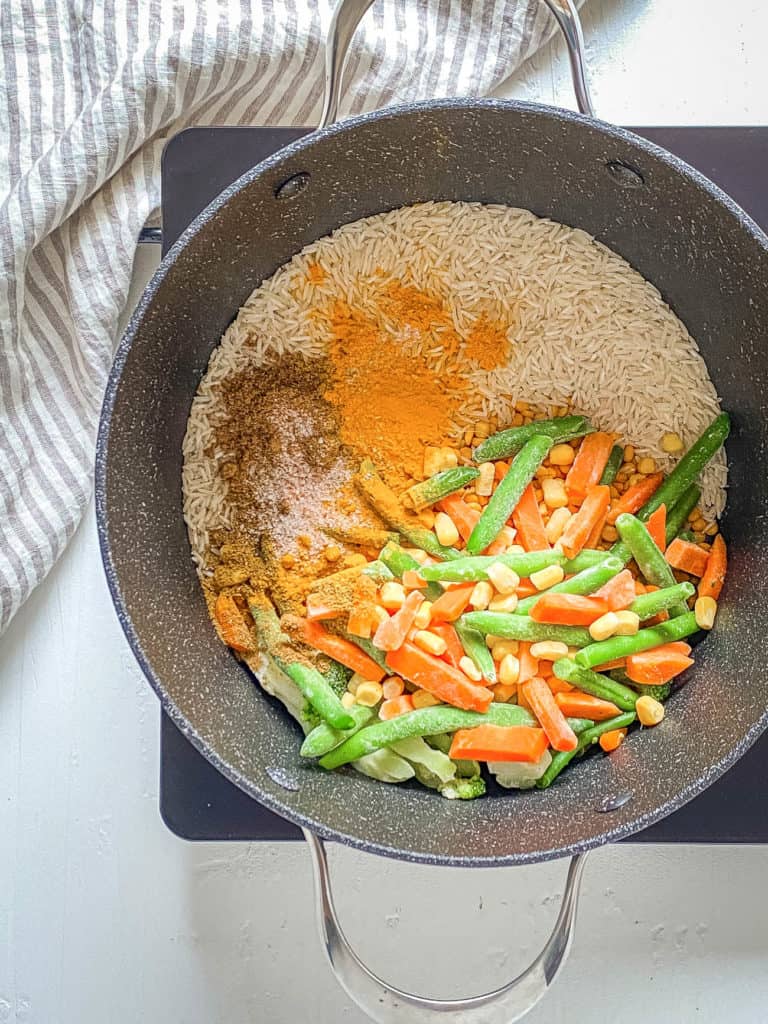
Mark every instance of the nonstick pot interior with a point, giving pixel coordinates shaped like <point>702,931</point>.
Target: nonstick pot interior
<point>709,262</point>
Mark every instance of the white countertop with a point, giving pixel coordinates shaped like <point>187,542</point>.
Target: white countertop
<point>107,918</point>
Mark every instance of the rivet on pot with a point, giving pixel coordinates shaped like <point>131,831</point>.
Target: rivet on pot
<point>624,175</point>
<point>292,186</point>
<point>613,803</point>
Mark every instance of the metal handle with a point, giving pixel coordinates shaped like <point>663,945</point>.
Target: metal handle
<point>349,13</point>
<point>386,1004</point>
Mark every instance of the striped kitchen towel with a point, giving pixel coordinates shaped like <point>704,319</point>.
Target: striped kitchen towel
<point>91,90</point>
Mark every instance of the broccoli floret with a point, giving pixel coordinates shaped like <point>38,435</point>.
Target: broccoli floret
<point>338,676</point>
<point>464,789</point>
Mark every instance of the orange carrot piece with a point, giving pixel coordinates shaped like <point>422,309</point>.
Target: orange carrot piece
<point>412,580</point>
<point>597,532</point>
<point>657,666</point>
<point>587,468</point>
<point>559,685</point>
<point>450,605</point>
<point>635,497</point>
<point>499,743</point>
<point>454,652</point>
<point>396,706</point>
<point>232,625</point>
<point>463,515</point>
<point>612,740</point>
<point>319,609</point>
<point>546,669</point>
<point>657,526</point>
<point>392,687</point>
<point>392,631</point>
<point>580,525</point>
<point>529,665</point>
<point>500,470</point>
<point>568,609</point>
<point>619,592</point>
<point>502,542</point>
<point>526,589</point>
<point>608,665</point>
<point>552,720</point>
<point>362,621</point>
<point>687,557</point>
<point>341,650</point>
<point>438,678</point>
<point>528,522</point>
<point>584,705</point>
<point>711,582</point>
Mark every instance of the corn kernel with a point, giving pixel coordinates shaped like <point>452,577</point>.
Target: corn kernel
<point>545,578</point>
<point>610,534</point>
<point>481,595</point>
<point>468,435</point>
<point>484,483</point>
<point>629,453</point>
<point>502,647</point>
<point>380,614</point>
<point>711,530</point>
<point>437,459</point>
<point>503,578</point>
<point>671,443</point>
<point>423,615</point>
<point>549,650</point>
<point>545,473</point>
<point>369,694</point>
<point>635,478</point>
<point>557,523</point>
<point>699,525</point>
<point>554,493</point>
<point>424,699</point>
<point>705,610</point>
<point>430,642</point>
<point>427,518</point>
<point>503,603</point>
<point>445,528</point>
<point>466,453</point>
<point>348,700</point>
<point>392,595</point>
<point>418,555</point>
<point>649,711</point>
<point>470,669</point>
<point>509,669</point>
<point>629,623</point>
<point>646,466</point>
<point>503,691</point>
<point>392,687</point>
<point>353,682</point>
<point>515,549</point>
<point>482,428</point>
<point>561,455</point>
<point>332,553</point>
<point>604,627</point>
<point>694,514</point>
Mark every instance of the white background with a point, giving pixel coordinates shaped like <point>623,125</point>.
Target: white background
<point>107,918</point>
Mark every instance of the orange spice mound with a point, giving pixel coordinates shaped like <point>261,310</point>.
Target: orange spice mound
<point>425,313</point>
<point>487,343</point>
<point>389,401</point>
<point>315,273</point>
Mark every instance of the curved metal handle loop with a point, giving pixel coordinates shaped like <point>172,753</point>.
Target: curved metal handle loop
<point>349,13</point>
<point>386,1004</point>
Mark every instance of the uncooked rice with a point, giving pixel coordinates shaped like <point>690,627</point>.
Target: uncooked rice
<point>586,330</point>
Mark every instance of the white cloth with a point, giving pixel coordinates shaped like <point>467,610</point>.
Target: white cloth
<point>91,90</point>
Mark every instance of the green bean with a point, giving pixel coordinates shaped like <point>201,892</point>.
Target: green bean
<point>467,570</point>
<point>687,535</point>
<point>585,582</point>
<point>319,693</point>
<point>584,560</point>
<point>580,725</point>
<point>521,627</point>
<point>324,737</point>
<point>508,492</point>
<point>563,758</point>
<point>595,683</point>
<point>476,648</point>
<point>440,485</point>
<point>613,465</point>
<point>651,562</point>
<point>507,442</point>
<point>269,636</point>
<point>373,652</point>
<point>677,516</point>
<point>648,605</point>
<point>423,722</point>
<point>399,561</point>
<point>377,570</point>
<point>643,640</point>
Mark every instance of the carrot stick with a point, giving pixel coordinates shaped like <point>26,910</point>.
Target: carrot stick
<point>619,592</point>
<point>336,647</point>
<point>657,666</point>
<point>392,631</point>
<point>584,705</point>
<point>499,743</point>
<point>597,532</point>
<point>395,706</point>
<point>438,678</point>
<point>687,557</point>
<point>635,497</point>
<point>450,605</point>
<point>454,652</point>
<point>463,515</point>
<point>559,685</point>
<point>581,525</point>
<point>526,589</point>
<point>568,609</point>
<point>608,665</point>
<point>412,580</point>
<point>587,468</point>
<point>232,625</point>
<point>552,720</point>
<point>362,620</point>
<point>711,582</point>
<point>529,665</point>
<point>528,522</point>
<point>318,608</point>
<point>657,526</point>
<point>612,740</point>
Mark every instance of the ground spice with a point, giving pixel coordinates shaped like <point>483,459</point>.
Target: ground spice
<point>315,273</point>
<point>487,343</point>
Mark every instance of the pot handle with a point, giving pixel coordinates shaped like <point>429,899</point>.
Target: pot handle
<point>386,1004</point>
<point>349,13</point>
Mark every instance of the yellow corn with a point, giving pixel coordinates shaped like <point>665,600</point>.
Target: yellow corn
<point>503,578</point>
<point>503,603</point>
<point>545,578</point>
<point>430,642</point>
<point>549,650</point>
<point>484,483</point>
<point>711,530</point>
<point>506,536</point>
<point>368,694</point>
<point>348,699</point>
<point>424,699</point>
<point>502,647</point>
<point>445,528</point>
<point>470,669</point>
<point>509,669</point>
<point>649,711</point>
<point>699,525</point>
<point>562,455</point>
<point>417,555</point>
<point>503,691</point>
<point>557,523</point>
<point>705,610</point>
<point>423,615</point>
<point>427,518</point>
<point>671,443</point>
<point>481,595</point>
<point>554,493</point>
<point>380,614</point>
<point>392,595</point>
<point>629,453</point>
<point>610,534</point>
<point>604,627</point>
<point>629,623</point>
<point>515,549</point>
<point>646,466</point>
<point>482,428</point>
<point>437,459</point>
